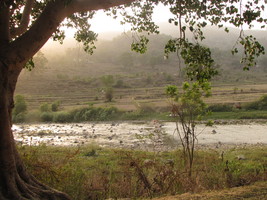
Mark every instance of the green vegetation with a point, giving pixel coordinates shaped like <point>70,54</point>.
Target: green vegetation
<point>89,113</point>
<point>260,104</point>
<point>108,94</point>
<point>53,107</point>
<point>237,115</point>
<point>220,108</point>
<point>144,79</point>
<point>20,109</point>
<point>188,107</point>
<point>100,173</point>
<point>53,112</point>
<point>253,110</point>
<point>255,191</point>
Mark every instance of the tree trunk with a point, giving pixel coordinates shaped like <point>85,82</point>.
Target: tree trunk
<point>15,182</point>
<point>16,48</point>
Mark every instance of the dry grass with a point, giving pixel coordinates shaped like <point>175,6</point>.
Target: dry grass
<point>91,172</point>
<point>257,191</point>
<point>74,94</point>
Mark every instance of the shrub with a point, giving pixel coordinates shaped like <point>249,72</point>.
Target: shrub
<point>45,107</point>
<point>119,84</point>
<point>252,106</point>
<point>20,109</point>
<point>62,117</point>
<point>55,106</point>
<point>109,94</point>
<point>93,114</point>
<point>260,104</point>
<point>144,107</point>
<point>33,116</point>
<point>19,118</point>
<point>263,102</point>
<point>220,108</point>
<point>46,117</point>
<point>20,105</point>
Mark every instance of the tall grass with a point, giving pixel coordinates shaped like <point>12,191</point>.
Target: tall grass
<point>92,172</point>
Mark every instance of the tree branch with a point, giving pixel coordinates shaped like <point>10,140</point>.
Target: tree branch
<point>88,5</point>
<point>25,46</point>
<point>25,20</point>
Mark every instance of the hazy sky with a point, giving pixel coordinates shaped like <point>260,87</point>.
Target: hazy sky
<point>103,23</point>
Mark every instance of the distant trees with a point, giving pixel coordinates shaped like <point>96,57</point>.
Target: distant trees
<point>127,61</point>
<point>108,94</point>
<point>108,82</point>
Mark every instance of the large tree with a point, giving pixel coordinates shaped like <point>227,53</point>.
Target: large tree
<point>26,25</point>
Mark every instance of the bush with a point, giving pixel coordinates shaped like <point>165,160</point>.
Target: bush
<point>62,117</point>
<point>45,107</point>
<point>109,94</point>
<point>252,106</point>
<point>263,103</point>
<point>20,105</point>
<point>19,118</point>
<point>260,104</point>
<point>46,117</point>
<point>55,106</point>
<point>220,108</point>
<point>20,109</point>
<point>119,84</point>
<point>143,107</point>
<point>33,116</point>
<point>93,114</point>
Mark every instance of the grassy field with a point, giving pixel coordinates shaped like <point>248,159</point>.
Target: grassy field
<point>128,98</point>
<point>116,173</point>
<point>80,85</point>
<point>139,92</point>
<point>134,99</point>
<point>237,115</point>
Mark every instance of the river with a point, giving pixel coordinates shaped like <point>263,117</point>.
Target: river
<point>137,135</point>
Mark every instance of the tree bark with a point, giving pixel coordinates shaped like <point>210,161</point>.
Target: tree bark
<point>15,182</point>
<point>25,20</point>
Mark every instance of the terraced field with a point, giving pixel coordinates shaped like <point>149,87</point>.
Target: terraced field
<point>72,93</point>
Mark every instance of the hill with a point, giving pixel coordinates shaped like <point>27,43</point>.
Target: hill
<point>66,73</point>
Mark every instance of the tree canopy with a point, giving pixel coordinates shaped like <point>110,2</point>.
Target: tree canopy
<point>188,15</point>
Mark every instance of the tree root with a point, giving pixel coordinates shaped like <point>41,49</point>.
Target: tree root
<point>25,191</point>
<point>23,186</point>
<point>15,182</point>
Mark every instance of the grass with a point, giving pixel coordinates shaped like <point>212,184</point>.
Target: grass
<point>92,172</point>
<point>257,191</point>
<point>144,110</point>
<point>73,93</point>
<point>117,115</point>
<point>256,114</point>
